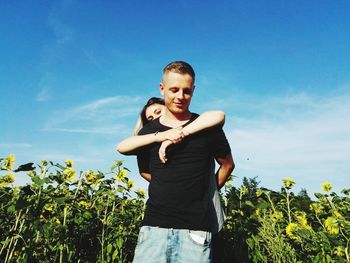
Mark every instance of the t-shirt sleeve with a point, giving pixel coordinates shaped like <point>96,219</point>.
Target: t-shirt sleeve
<point>143,162</point>
<point>143,155</point>
<point>218,143</point>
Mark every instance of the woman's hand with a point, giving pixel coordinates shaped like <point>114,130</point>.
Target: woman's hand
<point>175,135</point>
<point>162,150</point>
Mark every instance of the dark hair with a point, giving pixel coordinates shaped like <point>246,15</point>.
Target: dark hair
<point>181,67</point>
<point>151,101</point>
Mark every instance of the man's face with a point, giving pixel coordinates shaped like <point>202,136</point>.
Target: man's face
<point>177,90</point>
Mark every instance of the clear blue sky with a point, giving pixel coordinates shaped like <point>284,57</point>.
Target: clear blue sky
<point>74,75</point>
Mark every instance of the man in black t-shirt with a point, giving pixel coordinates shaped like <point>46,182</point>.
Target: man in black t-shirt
<point>176,226</point>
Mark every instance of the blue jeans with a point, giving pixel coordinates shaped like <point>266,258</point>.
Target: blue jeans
<point>167,245</point>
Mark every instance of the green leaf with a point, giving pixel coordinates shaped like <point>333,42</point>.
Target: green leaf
<point>249,203</point>
<point>120,189</point>
<point>11,209</point>
<point>115,254</point>
<point>78,220</point>
<point>27,191</point>
<point>25,167</point>
<point>109,248</point>
<point>346,191</point>
<point>119,243</point>
<point>113,167</point>
<point>22,203</point>
<point>47,229</point>
<point>87,215</point>
<point>319,196</point>
<point>119,163</point>
<point>60,200</point>
<point>36,180</point>
<point>60,166</point>
<point>125,180</point>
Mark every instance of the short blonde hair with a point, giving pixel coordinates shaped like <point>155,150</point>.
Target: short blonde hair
<point>181,67</point>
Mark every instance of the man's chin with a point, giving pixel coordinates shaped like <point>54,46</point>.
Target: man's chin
<point>182,108</point>
<point>179,110</point>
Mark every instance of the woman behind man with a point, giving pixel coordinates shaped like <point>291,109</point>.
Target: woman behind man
<point>154,109</point>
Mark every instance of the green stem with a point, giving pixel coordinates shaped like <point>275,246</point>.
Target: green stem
<point>240,199</point>
<point>272,205</point>
<point>288,207</point>
<point>79,186</point>
<point>347,246</point>
<point>16,239</point>
<point>4,245</point>
<point>43,172</point>
<point>8,250</point>
<point>64,224</point>
<point>103,230</point>
<point>319,220</point>
<point>331,203</point>
<point>37,237</point>
<point>7,258</point>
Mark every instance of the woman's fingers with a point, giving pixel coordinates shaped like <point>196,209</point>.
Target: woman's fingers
<point>162,155</point>
<point>172,136</point>
<point>175,135</point>
<point>162,150</point>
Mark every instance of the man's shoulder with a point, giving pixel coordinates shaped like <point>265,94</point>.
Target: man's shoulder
<point>194,116</point>
<point>207,131</point>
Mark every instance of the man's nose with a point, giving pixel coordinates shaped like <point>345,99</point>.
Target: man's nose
<point>180,95</point>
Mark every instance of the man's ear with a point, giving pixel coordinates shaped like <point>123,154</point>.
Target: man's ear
<point>161,88</point>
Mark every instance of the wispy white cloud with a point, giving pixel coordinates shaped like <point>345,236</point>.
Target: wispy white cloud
<point>15,145</point>
<point>298,136</point>
<point>43,95</point>
<point>93,60</point>
<point>97,104</point>
<point>63,33</point>
<point>103,116</point>
<point>109,130</point>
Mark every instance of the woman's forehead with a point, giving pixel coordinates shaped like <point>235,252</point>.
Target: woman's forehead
<point>150,109</point>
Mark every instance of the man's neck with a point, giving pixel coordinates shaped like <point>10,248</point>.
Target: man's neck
<point>174,120</point>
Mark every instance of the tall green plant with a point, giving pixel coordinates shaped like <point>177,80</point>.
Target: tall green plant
<point>62,216</point>
<point>320,236</point>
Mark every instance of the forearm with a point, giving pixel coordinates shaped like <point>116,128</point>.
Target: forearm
<point>131,144</point>
<point>206,120</point>
<point>226,167</point>
<point>146,176</point>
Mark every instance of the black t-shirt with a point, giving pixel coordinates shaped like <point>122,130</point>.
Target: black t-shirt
<point>178,187</point>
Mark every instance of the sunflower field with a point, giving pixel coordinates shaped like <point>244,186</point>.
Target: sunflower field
<point>64,215</point>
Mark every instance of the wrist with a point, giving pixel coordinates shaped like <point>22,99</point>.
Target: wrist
<point>185,132</point>
<point>158,136</point>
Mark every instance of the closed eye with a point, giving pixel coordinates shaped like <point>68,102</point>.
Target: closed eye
<point>188,91</point>
<point>174,90</point>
